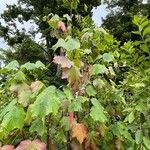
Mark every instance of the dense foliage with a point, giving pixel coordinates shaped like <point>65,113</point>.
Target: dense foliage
<point>120,17</point>
<point>104,103</point>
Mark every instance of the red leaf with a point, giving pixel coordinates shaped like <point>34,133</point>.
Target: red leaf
<point>62,26</point>
<point>71,119</point>
<point>28,145</point>
<point>63,61</point>
<point>8,147</point>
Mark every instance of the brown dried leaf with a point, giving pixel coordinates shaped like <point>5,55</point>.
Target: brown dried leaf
<point>80,132</point>
<point>65,73</point>
<point>63,61</point>
<point>23,93</point>
<point>119,144</point>
<point>36,86</point>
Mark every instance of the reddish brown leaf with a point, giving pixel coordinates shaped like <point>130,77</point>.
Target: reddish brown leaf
<point>7,147</point>
<point>65,73</point>
<point>74,78</point>
<point>86,74</point>
<point>79,131</point>
<point>85,78</point>
<point>63,61</point>
<point>31,145</point>
<point>90,145</point>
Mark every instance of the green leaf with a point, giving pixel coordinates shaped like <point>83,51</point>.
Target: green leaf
<point>68,93</point>
<point>87,51</point>
<point>145,23</point>
<point>90,90</point>
<point>136,20</point>
<point>65,123</point>
<point>137,32</point>
<point>119,129</point>
<point>7,108</point>
<point>53,22</point>
<point>67,16</point>
<point>28,117</point>
<point>19,76</point>
<point>137,85</point>
<point>97,111</point>
<point>74,4</point>
<point>130,148</point>
<point>111,71</point>
<point>146,31</point>
<point>68,44</point>
<point>76,104</point>
<point>44,18</point>
<point>144,47</point>
<point>108,57</point>
<point>85,7</point>
<point>131,117</point>
<point>138,136</point>
<point>146,141</point>
<point>72,44</point>
<point>82,99</point>
<point>29,66</point>
<point>60,43</point>
<point>38,127</point>
<point>14,119</point>
<point>32,66</point>
<point>126,134</point>
<point>98,69</point>
<point>46,102</point>
<point>98,83</point>
<point>141,107</point>
<point>40,65</point>
<point>14,65</point>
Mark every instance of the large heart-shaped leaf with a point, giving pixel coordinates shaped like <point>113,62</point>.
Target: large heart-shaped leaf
<point>47,102</point>
<point>97,111</point>
<point>14,119</point>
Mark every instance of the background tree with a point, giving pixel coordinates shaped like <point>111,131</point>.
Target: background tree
<point>119,20</point>
<point>25,48</point>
